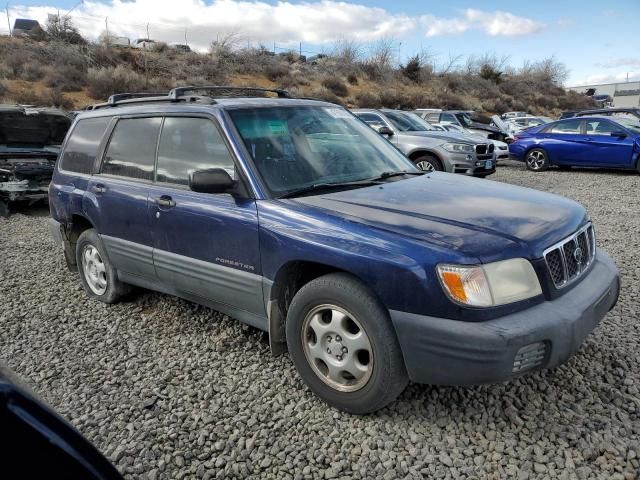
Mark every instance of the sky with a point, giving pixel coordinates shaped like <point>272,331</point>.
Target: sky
<point>598,41</point>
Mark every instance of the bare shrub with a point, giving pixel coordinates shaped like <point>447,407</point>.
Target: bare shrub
<point>276,71</point>
<point>367,100</point>
<point>3,88</point>
<point>336,86</point>
<point>31,72</point>
<point>103,82</point>
<point>67,80</point>
<point>53,97</point>
<point>352,78</point>
<point>323,93</point>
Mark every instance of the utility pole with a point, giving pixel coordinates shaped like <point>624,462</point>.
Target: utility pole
<point>185,37</point>
<point>300,55</point>
<point>274,47</point>
<point>106,26</point>
<point>8,19</point>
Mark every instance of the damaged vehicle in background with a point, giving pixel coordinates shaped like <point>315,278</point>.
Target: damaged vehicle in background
<point>30,140</point>
<point>469,120</point>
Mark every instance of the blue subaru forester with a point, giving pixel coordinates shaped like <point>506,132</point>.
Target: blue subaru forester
<point>293,216</point>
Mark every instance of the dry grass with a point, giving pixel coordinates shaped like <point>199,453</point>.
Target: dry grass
<point>78,75</point>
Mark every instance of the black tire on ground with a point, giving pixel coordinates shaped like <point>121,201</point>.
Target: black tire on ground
<point>4,209</point>
<point>115,289</point>
<point>423,161</point>
<point>388,376</point>
<point>537,160</point>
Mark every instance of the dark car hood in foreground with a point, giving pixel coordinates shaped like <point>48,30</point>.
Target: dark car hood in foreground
<point>480,218</point>
<point>32,128</point>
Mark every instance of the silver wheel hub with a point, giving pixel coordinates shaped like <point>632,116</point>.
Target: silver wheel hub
<point>337,348</point>
<point>94,269</point>
<point>426,166</point>
<point>536,160</point>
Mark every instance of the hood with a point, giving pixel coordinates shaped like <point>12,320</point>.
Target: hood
<point>32,128</point>
<point>481,219</point>
<point>444,136</point>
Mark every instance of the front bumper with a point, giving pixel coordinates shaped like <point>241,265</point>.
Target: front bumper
<point>451,352</point>
<point>471,164</point>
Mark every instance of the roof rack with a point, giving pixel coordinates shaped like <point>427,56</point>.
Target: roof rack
<point>178,92</point>
<point>118,97</point>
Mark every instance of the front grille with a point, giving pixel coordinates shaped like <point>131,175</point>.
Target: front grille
<point>529,357</point>
<point>491,147</point>
<point>570,258</point>
<point>481,149</point>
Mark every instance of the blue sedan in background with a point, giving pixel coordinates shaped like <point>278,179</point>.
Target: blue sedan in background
<point>580,142</point>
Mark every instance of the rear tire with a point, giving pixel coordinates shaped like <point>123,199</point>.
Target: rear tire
<point>98,277</point>
<point>336,326</point>
<point>537,160</point>
<point>428,163</point>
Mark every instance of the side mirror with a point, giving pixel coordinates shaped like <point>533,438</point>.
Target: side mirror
<point>384,130</point>
<point>619,134</point>
<point>213,180</point>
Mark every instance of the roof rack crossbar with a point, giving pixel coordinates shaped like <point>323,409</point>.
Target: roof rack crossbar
<point>118,97</point>
<point>180,91</point>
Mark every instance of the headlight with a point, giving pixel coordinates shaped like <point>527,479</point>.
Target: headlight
<point>491,284</point>
<point>458,147</point>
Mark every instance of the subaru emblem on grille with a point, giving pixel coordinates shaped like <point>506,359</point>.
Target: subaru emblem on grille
<point>577,254</point>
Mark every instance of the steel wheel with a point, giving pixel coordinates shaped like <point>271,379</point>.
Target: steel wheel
<point>95,272</point>
<point>425,165</point>
<point>337,348</point>
<point>536,160</point>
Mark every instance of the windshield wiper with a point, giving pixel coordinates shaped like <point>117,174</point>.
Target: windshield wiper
<point>328,186</point>
<point>385,175</point>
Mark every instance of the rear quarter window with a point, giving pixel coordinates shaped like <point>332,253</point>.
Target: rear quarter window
<point>82,147</point>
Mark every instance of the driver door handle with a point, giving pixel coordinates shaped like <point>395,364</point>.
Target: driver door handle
<point>165,201</point>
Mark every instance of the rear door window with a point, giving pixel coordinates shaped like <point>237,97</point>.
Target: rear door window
<point>82,147</point>
<point>190,144</point>
<point>132,149</point>
<point>569,127</point>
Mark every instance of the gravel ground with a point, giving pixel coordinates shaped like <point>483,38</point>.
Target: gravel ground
<point>168,389</point>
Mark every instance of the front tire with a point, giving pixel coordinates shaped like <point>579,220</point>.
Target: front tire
<point>99,278</point>
<point>537,160</point>
<point>428,163</point>
<point>343,344</point>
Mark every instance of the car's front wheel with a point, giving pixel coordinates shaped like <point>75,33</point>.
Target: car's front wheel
<point>344,346</point>
<point>537,160</point>
<point>428,163</point>
<point>99,278</point>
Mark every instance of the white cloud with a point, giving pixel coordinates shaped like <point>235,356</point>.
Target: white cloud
<point>608,78</point>
<point>620,62</point>
<point>316,22</point>
<point>497,23</point>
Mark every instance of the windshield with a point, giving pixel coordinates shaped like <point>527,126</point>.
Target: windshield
<point>464,119</point>
<point>408,122</point>
<point>297,147</point>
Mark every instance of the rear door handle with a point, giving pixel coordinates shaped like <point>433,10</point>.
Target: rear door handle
<point>165,201</point>
<point>99,188</point>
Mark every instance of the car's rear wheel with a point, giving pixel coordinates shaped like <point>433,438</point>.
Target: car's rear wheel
<point>537,160</point>
<point>99,278</point>
<point>343,344</point>
<point>428,163</point>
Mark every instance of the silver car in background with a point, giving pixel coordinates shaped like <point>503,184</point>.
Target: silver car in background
<point>428,148</point>
<point>501,148</point>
